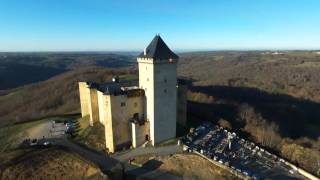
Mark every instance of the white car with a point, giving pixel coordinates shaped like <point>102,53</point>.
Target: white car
<point>48,143</point>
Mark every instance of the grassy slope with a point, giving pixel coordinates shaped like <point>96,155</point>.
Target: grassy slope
<point>29,163</point>
<point>49,164</point>
<point>58,95</point>
<point>188,166</point>
<point>91,136</point>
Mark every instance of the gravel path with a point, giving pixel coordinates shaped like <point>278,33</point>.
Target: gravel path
<point>112,165</point>
<point>46,129</point>
<point>160,151</point>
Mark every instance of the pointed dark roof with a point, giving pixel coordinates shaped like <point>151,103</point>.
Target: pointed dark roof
<point>158,49</point>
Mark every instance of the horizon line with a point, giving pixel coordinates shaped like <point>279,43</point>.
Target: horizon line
<point>177,50</point>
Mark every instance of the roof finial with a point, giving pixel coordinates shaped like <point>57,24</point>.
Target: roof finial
<point>145,51</point>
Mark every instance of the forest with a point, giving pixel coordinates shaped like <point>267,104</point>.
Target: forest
<point>272,99</point>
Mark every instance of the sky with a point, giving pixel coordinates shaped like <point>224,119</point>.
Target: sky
<point>129,25</point>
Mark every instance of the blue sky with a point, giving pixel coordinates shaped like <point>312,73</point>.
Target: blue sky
<point>102,25</point>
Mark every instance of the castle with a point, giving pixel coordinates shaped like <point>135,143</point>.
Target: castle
<point>135,113</point>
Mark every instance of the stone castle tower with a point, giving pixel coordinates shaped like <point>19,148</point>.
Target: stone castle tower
<point>158,78</point>
<point>133,113</point>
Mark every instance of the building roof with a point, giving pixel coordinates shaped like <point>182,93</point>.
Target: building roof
<point>158,49</point>
<point>114,88</point>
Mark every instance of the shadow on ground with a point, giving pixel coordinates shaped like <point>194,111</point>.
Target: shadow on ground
<point>152,164</point>
<point>146,168</point>
<point>295,117</point>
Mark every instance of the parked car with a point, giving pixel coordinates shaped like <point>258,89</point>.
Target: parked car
<point>69,124</point>
<point>48,143</point>
<point>69,130</point>
<point>68,121</point>
<point>34,142</point>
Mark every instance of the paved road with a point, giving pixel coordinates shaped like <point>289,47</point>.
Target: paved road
<point>107,164</point>
<point>162,150</point>
<point>114,168</point>
<point>141,171</point>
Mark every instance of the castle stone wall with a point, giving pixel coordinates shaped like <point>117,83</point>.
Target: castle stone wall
<point>159,79</point>
<point>139,133</point>
<point>101,102</point>
<point>165,102</point>
<point>108,125</point>
<point>123,109</point>
<point>182,105</point>
<point>93,107</point>
<point>84,93</point>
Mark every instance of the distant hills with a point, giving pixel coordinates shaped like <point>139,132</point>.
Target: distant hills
<point>14,74</point>
<point>18,69</point>
<point>295,73</point>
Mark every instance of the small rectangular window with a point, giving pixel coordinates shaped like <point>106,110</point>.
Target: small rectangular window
<point>123,104</point>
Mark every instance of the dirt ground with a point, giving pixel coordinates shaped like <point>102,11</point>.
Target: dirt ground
<point>40,130</point>
<point>50,164</point>
<point>188,166</point>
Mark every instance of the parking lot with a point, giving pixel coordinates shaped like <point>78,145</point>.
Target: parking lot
<point>58,129</point>
<point>53,129</point>
<point>241,155</point>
